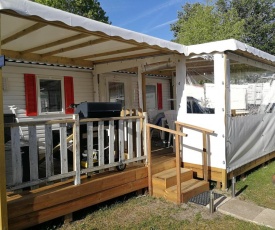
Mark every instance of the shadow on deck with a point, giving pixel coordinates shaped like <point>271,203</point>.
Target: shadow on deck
<point>32,207</point>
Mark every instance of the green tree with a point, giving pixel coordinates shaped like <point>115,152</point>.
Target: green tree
<point>86,8</point>
<point>250,21</point>
<point>259,16</point>
<point>200,23</point>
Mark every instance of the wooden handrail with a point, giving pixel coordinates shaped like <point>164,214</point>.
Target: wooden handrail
<point>177,133</point>
<point>197,128</point>
<point>167,130</point>
<point>204,132</point>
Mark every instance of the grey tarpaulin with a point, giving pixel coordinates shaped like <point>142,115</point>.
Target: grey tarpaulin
<point>249,137</point>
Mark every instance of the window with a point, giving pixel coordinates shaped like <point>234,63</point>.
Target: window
<point>200,88</point>
<point>45,95</point>
<point>154,96</point>
<point>151,97</point>
<point>116,92</point>
<point>50,96</point>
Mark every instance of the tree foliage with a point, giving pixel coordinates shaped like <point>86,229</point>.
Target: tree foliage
<point>250,21</point>
<point>86,8</point>
<point>259,16</point>
<point>199,24</point>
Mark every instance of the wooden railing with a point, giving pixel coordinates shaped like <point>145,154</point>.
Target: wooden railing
<point>123,146</point>
<point>205,133</point>
<point>177,134</point>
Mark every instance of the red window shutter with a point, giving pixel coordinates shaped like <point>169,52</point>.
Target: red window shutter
<point>30,94</point>
<point>69,94</point>
<point>159,92</point>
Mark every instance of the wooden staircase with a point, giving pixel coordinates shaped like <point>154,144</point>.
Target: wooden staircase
<point>164,182</point>
<point>166,178</point>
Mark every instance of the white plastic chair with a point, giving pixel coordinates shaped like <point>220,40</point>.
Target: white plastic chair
<point>171,116</point>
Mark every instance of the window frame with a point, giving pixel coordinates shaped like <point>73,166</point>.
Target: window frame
<point>61,79</point>
<point>156,96</point>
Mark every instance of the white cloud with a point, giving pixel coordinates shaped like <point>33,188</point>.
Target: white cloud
<point>163,24</point>
<point>152,11</point>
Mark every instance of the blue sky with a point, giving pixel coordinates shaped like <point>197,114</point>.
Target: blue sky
<point>152,17</point>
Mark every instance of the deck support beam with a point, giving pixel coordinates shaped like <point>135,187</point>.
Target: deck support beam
<point>3,195</point>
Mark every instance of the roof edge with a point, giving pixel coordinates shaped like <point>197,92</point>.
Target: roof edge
<point>228,45</point>
<point>27,8</point>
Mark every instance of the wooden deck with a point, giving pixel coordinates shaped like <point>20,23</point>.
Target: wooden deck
<point>62,198</point>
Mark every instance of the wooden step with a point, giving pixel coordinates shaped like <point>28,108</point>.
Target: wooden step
<point>168,178</point>
<point>162,164</point>
<point>189,189</point>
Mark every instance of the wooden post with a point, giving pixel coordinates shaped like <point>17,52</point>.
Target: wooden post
<point>142,89</point>
<point>178,165</point>
<point>145,142</point>
<point>140,97</point>
<point>144,109</point>
<point>204,153</point>
<point>3,195</point>
<point>76,149</point>
<point>224,179</point>
<point>149,161</point>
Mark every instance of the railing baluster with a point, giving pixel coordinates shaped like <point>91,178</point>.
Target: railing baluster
<point>100,143</point>
<point>63,149</point>
<point>16,156</point>
<point>111,142</point>
<point>138,137</point>
<point>130,139</point>
<point>90,145</point>
<point>49,151</point>
<point>33,154</point>
<point>76,149</point>
<point>121,140</point>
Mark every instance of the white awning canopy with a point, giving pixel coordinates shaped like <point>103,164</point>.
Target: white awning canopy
<point>31,32</point>
<point>37,33</point>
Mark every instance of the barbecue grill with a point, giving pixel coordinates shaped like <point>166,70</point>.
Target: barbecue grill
<point>97,110</point>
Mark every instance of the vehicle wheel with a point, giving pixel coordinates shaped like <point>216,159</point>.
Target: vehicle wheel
<point>121,167</point>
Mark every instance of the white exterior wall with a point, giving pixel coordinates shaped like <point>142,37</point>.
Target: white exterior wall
<point>192,144</point>
<point>132,91</point>
<point>14,92</point>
